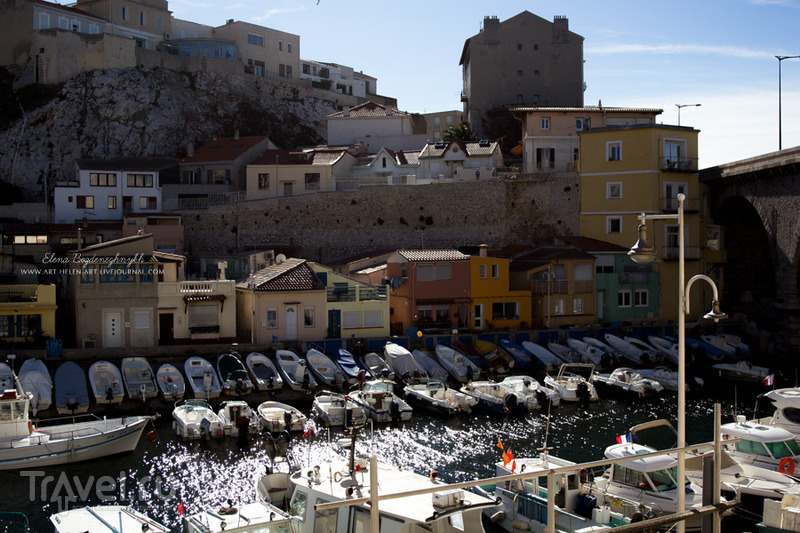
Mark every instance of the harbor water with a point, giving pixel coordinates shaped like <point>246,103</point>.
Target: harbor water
<point>166,472</point>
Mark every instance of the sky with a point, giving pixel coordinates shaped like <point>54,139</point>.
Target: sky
<point>716,53</point>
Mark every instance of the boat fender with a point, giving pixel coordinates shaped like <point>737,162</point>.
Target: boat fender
<point>519,525</point>
<point>337,477</point>
<point>30,427</point>
<point>786,466</point>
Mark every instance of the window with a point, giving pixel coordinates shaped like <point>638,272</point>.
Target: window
<point>577,306</point>
<point>442,271</point>
<point>29,325</point>
<point>272,318</point>
<point>713,237</point>
<point>495,271</point>
<point>604,265</point>
<point>140,180</point>
<point>545,123</point>
<point>117,273</point>
<point>312,181</point>
<point>425,313</point>
<point>535,46</point>
<point>614,190</point>
<point>112,202</point>
<point>147,271</point>
<point>257,40</point>
<point>613,224</point>
<point>159,21</point>
<point>263,181</point>
<point>425,272</point>
<point>536,72</point>
<point>545,158</point>
<point>671,192</point>
<point>142,18</point>
<point>519,47</point>
<point>373,319</point>
<point>351,319</point>
<point>124,12</point>
<point>63,23</point>
<point>560,306</point>
<point>520,98</point>
<point>674,152</point>
<point>203,318</point>
<point>288,71</point>
<point>383,162</point>
<point>671,236</point>
<point>219,176</point>
<point>148,203</point>
<point>483,271</point>
<point>282,70</point>
<point>308,317</point>
<point>505,310</point>
<point>87,273</point>
<point>519,73</point>
<point>44,21</point>
<point>614,151</point>
<point>30,239</point>
<point>288,188</point>
<point>624,298</point>
<point>97,179</point>
<point>84,202</point>
<point>640,298</point>
<point>297,507</point>
<point>259,69</point>
<point>280,46</point>
<point>289,48</point>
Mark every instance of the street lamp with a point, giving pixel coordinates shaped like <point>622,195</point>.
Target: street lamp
<point>643,252</point>
<point>781,58</point>
<point>679,106</point>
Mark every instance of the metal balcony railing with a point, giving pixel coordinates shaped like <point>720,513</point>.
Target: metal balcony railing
<point>353,293</point>
<point>634,278</point>
<point>558,286</point>
<point>678,164</point>
<point>690,205</point>
<point>672,253</point>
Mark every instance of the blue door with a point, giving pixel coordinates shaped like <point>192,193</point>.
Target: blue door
<point>334,324</point>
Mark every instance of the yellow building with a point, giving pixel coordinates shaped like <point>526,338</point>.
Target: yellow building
<point>289,173</point>
<point>495,305</point>
<point>148,22</point>
<point>27,312</point>
<point>635,169</point>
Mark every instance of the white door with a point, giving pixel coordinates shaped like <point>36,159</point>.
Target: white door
<point>112,332</point>
<point>291,323</point>
<point>478,316</point>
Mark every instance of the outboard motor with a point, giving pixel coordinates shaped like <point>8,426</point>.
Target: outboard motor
<point>109,394</point>
<point>270,382</point>
<point>287,420</point>
<point>511,402</point>
<point>542,399</point>
<point>239,387</point>
<point>470,374</point>
<point>306,380</point>
<point>394,409</point>
<point>583,393</point>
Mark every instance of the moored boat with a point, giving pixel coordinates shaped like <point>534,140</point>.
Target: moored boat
<point>565,353</point>
<point>589,353</point>
<point>324,369</point>
<point>574,382</point>
<point>667,347</point>
<point>294,371</point>
<point>548,359</point>
<point>380,402</point>
<point>624,381</point>
<point>170,382</point>
<point>492,398</point>
<point>770,447</point>
<point>194,419</point>
<point>354,368</point>
<point>436,397</point>
<point>379,368</point>
<point>138,378</point>
<point>742,371</point>
<point>431,367</point>
<point>246,518</point>
<point>521,356</point>
<point>265,375</point>
<point>71,391</point>
<point>530,393</point>
<point>238,418</point>
<point>233,376</point>
<point>497,358</point>
<point>98,519</point>
<point>405,367</point>
<point>106,382</point>
<point>202,378</point>
<point>337,409</point>
<point>277,417</point>
<point>34,378</point>
<point>459,366</point>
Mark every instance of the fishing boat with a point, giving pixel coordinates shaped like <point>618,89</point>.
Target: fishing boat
<point>379,368</point>
<point>238,418</point>
<point>246,518</point>
<point>530,393</point>
<point>265,375</point>
<point>521,356</point>
<point>324,369</point>
<point>137,375</point>
<point>106,382</point>
<point>431,367</point>
<point>233,376</point>
<point>34,378</point>
<point>336,409</point>
<point>354,369</point>
<point>548,359</point>
<point>625,382</point>
<point>294,371</point>
<point>770,447</point>
<point>436,397</point>
<point>442,510</point>
<point>565,353</point>
<point>202,378</point>
<point>574,382</point>
<point>71,391</point>
<point>277,417</point>
<point>589,353</point>
<point>460,367</point>
<point>492,398</point>
<point>104,519</point>
<point>194,419</point>
<point>667,348</point>
<point>403,364</point>
<point>380,402</point>
<point>633,353</point>
<point>23,445</point>
<point>170,382</point>
<point>742,371</point>
<point>499,360</point>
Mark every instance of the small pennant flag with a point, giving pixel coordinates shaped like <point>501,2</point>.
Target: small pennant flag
<point>769,380</point>
<point>624,438</point>
<point>308,433</point>
<point>180,509</point>
<point>499,444</point>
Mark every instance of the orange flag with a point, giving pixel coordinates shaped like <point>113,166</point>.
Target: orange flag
<point>505,459</point>
<point>499,444</point>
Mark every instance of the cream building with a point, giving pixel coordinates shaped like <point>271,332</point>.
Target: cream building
<point>264,51</point>
<point>305,171</point>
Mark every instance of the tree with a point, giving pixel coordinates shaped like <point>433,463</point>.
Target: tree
<point>461,131</point>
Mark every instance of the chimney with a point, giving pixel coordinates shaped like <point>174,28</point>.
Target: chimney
<point>484,250</point>
<point>190,150</point>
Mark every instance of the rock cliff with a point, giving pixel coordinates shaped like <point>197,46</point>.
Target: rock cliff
<point>149,112</point>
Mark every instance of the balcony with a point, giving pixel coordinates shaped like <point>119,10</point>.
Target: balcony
<point>356,294</point>
<point>678,164</point>
<point>634,278</point>
<point>690,205</point>
<point>558,286</point>
<point>672,253</point>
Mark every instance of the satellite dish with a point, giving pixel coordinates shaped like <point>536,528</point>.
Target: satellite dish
<point>280,258</point>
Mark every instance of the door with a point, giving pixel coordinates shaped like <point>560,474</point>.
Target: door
<point>600,304</point>
<point>478,318</point>
<point>334,324</point>
<point>166,335</point>
<point>291,323</point>
<point>112,331</point>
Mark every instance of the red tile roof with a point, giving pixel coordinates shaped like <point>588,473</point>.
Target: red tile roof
<point>433,255</point>
<point>369,109</point>
<point>223,149</point>
<point>291,275</point>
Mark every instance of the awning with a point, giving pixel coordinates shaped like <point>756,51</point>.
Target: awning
<point>192,298</point>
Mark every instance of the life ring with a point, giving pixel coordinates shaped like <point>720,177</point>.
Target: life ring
<point>337,477</point>
<point>786,466</point>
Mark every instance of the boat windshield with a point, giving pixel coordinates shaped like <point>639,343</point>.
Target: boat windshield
<point>785,448</point>
<point>661,480</point>
<point>378,386</point>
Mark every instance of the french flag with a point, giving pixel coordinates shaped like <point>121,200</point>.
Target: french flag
<point>624,438</point>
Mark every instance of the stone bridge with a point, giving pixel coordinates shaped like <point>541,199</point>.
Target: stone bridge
<point>757,201</point>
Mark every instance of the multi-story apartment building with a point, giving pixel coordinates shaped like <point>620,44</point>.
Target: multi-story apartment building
<point>522,60</point>
<point>264,51</point>
<point>338,78</point>
<point>375,126</point>
<point>279,173</point>
<point>628,170</point>
<point>495,303</point>
<point>147,22</point>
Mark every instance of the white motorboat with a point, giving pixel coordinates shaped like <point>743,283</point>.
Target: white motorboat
<point>294,371</point>
<point>71,391</point>
<point>787,409</point>
<point>277,417</point>
<point>548,359</point>
<point>633,354</point>
<point>325,370</point>
<point>431,367</point>
<point>194,419</point>
<point>336,409</point>
<point>233,375</point>
<point>403,364</point>
<point>626,381</point>
<point>22,445</point>
<point>34,378</point>
<point>597,343</point>
<point>138,378</point>
<point>103,519</point>
<point>650,354</point>
<point>461,368</point>
<point>530,393</point>
<point>669,378</point>
<point>492,398</point>
<point>574,382</point>
<point>171,382</point>
<point>238,418</point>
<point>380,402</point>
<point>378,366</point>
<point>202,378</point>
<point>247,518</point>
<point>735,341</point>
<point>589,353</point>
<point>743,371</point>
<point>436,397</point>
<point>721,343</point>
<point>443,511</point>
<point>770,447</point>
<point>565,353</point>
<point>667,348</point>
<point>265,375</point>
<point>106,381</point>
